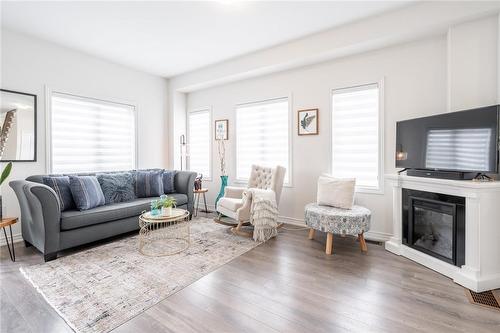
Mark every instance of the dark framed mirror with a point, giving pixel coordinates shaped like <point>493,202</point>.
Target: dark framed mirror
<point>18,131</point>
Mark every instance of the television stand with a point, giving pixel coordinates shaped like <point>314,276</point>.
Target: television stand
<point>481,177</point>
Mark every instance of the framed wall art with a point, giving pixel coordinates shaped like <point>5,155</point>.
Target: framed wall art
<point>308,122</point>
<point>221,129</point>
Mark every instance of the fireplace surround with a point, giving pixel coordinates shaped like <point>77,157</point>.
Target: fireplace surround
<point>479,270</point>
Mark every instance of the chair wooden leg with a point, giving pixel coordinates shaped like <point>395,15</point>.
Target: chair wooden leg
<point>362,243</point>
<point>329,243</point>
<point>237,230</point>
<point>311,233</point>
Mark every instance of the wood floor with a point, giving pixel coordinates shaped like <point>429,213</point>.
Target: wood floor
<point>285,285</point>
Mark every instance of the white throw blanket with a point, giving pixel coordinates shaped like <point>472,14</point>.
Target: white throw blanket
<point>263,214</point>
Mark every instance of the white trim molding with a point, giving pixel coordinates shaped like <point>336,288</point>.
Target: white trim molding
<point>482,268</point>
<point>16,237</point>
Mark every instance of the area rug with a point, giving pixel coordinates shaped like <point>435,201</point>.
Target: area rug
<point>99,289</point>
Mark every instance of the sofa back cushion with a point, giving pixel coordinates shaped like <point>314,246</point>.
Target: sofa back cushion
<point>60,185</point>
<point>117,187</point>
<point>168,181</point>
<point>87,192</point>
<point>148,183</point>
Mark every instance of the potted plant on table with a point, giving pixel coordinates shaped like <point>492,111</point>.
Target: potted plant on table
<point>3,177</point>
<point>166,204</point>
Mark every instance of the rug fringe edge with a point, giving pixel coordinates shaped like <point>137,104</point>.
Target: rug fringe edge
<point>26,276</point>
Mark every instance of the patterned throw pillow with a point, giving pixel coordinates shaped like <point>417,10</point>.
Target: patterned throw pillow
<point>148,183</point>
<point>60,184</point>
<point>168,181</point>
<point>117,187</point>
<point>86,191</point>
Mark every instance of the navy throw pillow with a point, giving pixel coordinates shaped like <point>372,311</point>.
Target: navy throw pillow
<point>60,185</point>
<point>168,181</point>
<point>148,183</point>
<point>117,187</point>
<point>87,192</point>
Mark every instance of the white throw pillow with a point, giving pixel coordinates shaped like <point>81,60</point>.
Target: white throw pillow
<point>336,192</point>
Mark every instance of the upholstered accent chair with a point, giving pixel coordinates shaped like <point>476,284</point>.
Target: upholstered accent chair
<point>237,201</point>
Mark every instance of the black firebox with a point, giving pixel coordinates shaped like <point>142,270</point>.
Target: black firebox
<point>434,223</point>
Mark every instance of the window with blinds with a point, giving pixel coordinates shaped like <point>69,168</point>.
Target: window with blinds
<point>355,135</point>
<point>199,140</point>
<point>89,135</point>
<point>262,136</point>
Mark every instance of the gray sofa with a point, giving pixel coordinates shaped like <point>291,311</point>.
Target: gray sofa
<point>49,230</point>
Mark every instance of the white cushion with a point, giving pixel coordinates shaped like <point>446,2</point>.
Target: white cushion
<point>336,192</point>
<point>230,203</point>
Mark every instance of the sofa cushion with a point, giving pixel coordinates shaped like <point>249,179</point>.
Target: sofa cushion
<point>168,181</point>
<point>86,191</point>
<point>117,187</point>
<point>60,185</point>
<point>74,219</point>
<point>148,183</point>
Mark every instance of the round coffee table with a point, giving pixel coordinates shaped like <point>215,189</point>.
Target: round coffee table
<point>164,235</point>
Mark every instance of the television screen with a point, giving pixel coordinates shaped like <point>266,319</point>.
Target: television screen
<point>464,141</point>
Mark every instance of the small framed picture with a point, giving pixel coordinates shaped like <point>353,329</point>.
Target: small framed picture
<point>308,122</point>
<point>221,129</point>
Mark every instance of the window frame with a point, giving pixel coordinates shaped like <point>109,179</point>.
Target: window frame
<point>208,109</point>
<point>381,133</point>
<point>289,99</point>
<point>48,123</point>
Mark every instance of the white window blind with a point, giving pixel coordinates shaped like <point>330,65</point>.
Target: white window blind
<point>262,136</point>
<point>90,135</point>
<point>199,142</point>
<point>355,135</point>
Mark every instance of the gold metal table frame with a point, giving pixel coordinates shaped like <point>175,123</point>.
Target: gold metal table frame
<point>164,235</point>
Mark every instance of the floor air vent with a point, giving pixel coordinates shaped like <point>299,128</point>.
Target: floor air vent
<point>490,298</point>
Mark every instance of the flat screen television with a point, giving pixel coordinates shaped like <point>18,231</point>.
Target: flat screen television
<point>464,141</point>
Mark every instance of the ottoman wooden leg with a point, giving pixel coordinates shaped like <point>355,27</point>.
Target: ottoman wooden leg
<point>329,243</point>
<point>362,243</point>
<point>311,233</point>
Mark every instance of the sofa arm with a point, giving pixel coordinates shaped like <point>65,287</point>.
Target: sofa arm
<point>40,215</point>
<point>234,192</point>
<point>184,183</point>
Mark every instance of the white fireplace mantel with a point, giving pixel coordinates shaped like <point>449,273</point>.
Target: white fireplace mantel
<point>482,229</point>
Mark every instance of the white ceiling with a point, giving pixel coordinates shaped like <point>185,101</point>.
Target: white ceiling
<point>169,38</point>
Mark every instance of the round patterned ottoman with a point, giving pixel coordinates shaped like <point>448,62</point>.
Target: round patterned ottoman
<point>333,220</point>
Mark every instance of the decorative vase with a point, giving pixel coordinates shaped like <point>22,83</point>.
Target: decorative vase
<point>154,208</point>
<point>223,184</point>
<point>166,211</point>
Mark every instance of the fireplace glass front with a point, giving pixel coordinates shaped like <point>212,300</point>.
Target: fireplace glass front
<point>435,224</point>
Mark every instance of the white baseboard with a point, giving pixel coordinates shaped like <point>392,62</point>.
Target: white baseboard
<point>291,220</point>
<point>17,237</point>
<point>377,236</point>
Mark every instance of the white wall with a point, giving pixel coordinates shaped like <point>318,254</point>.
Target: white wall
<point>454,70</point>
<point>415,85</point>
<point>29,64</point>
<point>472,60</point>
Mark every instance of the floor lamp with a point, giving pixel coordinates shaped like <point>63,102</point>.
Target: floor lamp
<point>184,153</point>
